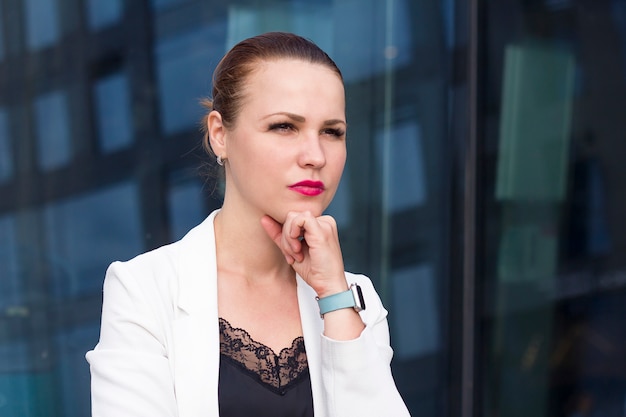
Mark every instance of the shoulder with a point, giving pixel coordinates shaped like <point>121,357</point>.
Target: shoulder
<point>163,267</point>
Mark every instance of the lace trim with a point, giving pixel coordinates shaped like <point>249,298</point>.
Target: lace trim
<point>279,372</point>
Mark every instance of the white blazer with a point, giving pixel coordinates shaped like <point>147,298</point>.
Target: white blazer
<point>158,353</point>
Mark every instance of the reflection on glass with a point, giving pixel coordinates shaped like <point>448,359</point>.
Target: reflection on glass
<point>1,35</point>
<point>362,52</point>
<point>73,376</point>
<point>416,318</point>
<point>6,151</point>
<point>536,123</point>
<point>113,112</point>
<point>407,180</point>
<point>86,233</point>
<point>53,130</point>
<point>186,207</point>
<point>10,294</point>
<point>103,13</point>
<point>618,9</point>
<point>306,19</point>
<point>42,23</point>
<point>185,63</point>
<point>163,4</point>
<point>340,206</point>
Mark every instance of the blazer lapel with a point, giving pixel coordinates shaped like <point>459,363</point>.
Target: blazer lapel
<point>196,328</point>
<point>312,328</point>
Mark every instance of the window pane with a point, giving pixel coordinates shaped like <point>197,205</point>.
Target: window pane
<point>554,337</point>
<point>52,130</point>
<point>6,151</point>
<point>1,35</point>
<point>10,293</point>
<point>74,376</point>
<point>416,324</point>
<point>186,207</point>
<point>42,23</point>
<point>114,119</point>
<point>183,74</point>
<point>104,13</point>
<point>341,205</point>
<point>86,233</point>
<point>164,4</point>
<point>401,151</point>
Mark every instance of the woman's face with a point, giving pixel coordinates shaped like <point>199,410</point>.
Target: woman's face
<point>287,149</point>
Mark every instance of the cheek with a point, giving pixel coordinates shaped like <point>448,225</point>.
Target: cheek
<point>338,161</point>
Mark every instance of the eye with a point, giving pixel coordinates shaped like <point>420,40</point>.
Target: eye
<point>281,127</point>
<point>338,133</point>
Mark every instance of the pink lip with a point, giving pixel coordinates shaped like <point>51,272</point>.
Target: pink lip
<point>309,188</point>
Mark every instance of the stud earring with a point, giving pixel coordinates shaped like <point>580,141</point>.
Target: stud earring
<point>220,161</point>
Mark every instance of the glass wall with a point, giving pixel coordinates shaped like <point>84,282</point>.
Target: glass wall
<point>552,209</point>
<point>100,160</point>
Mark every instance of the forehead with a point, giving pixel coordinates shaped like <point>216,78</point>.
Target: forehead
<point>283,80</point>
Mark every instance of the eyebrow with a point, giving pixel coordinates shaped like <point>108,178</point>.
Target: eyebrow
<point>302,119</point>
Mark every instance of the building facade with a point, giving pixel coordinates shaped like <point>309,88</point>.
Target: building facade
<point>482,194</point>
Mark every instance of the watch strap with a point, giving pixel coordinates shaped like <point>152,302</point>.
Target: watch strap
<point>344,299</point>
<point>352,298</point>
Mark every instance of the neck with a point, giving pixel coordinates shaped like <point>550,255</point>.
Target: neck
<point>243,248</point>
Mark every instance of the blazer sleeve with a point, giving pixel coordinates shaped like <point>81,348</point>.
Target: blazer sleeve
<point>357,373</point>
<point>130,372</point>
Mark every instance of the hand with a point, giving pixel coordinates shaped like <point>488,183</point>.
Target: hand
<point>311,246</point>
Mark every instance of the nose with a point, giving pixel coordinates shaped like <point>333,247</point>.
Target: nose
<point>312,152</point>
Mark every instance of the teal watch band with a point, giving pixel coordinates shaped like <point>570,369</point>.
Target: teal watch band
<point>353,298</point>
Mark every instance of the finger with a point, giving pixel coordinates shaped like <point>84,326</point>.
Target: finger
<point>312,228</point>
<point>293,231</point>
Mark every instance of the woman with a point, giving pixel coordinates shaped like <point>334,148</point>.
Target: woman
<point>251,313</point>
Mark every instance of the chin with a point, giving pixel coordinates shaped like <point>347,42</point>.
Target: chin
<point>316,210</point>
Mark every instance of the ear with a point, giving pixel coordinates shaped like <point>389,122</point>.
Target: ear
<point>217,133</point>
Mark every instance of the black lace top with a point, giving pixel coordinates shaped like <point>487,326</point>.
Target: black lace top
<point>254,381</point>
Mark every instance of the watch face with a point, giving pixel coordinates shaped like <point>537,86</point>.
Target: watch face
<point>358,297</point>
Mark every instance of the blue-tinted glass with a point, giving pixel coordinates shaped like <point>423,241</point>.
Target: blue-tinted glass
<point>401,152</point>
<point>163,4</point>
<point>42,23</point>
<point>6,151</point>
<point>103,13</point>
<point>360,51</point>
<point>14,357</point>
<point>86,233</point>
<point>74,388</point>
<point>416,325</point>
<point>53,130</point>
<point>185,63</point>
<point>340,206</point>
<point>186,207</point>
<point>113,112</point>
<point>310,20</point>
<point>1,35</point>
<point>408,179</point>
<point>619,17</point>
<point>10,294</point>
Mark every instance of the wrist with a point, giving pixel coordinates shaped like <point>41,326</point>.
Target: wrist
<point>350,298</point>
<point>332,290</point>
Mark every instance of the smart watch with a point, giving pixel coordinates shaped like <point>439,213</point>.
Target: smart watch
<point>352,298</point>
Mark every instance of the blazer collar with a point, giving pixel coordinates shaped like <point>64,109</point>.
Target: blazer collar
<point>196,328</point>
<point>312,328</point>
<point>197,280</point>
